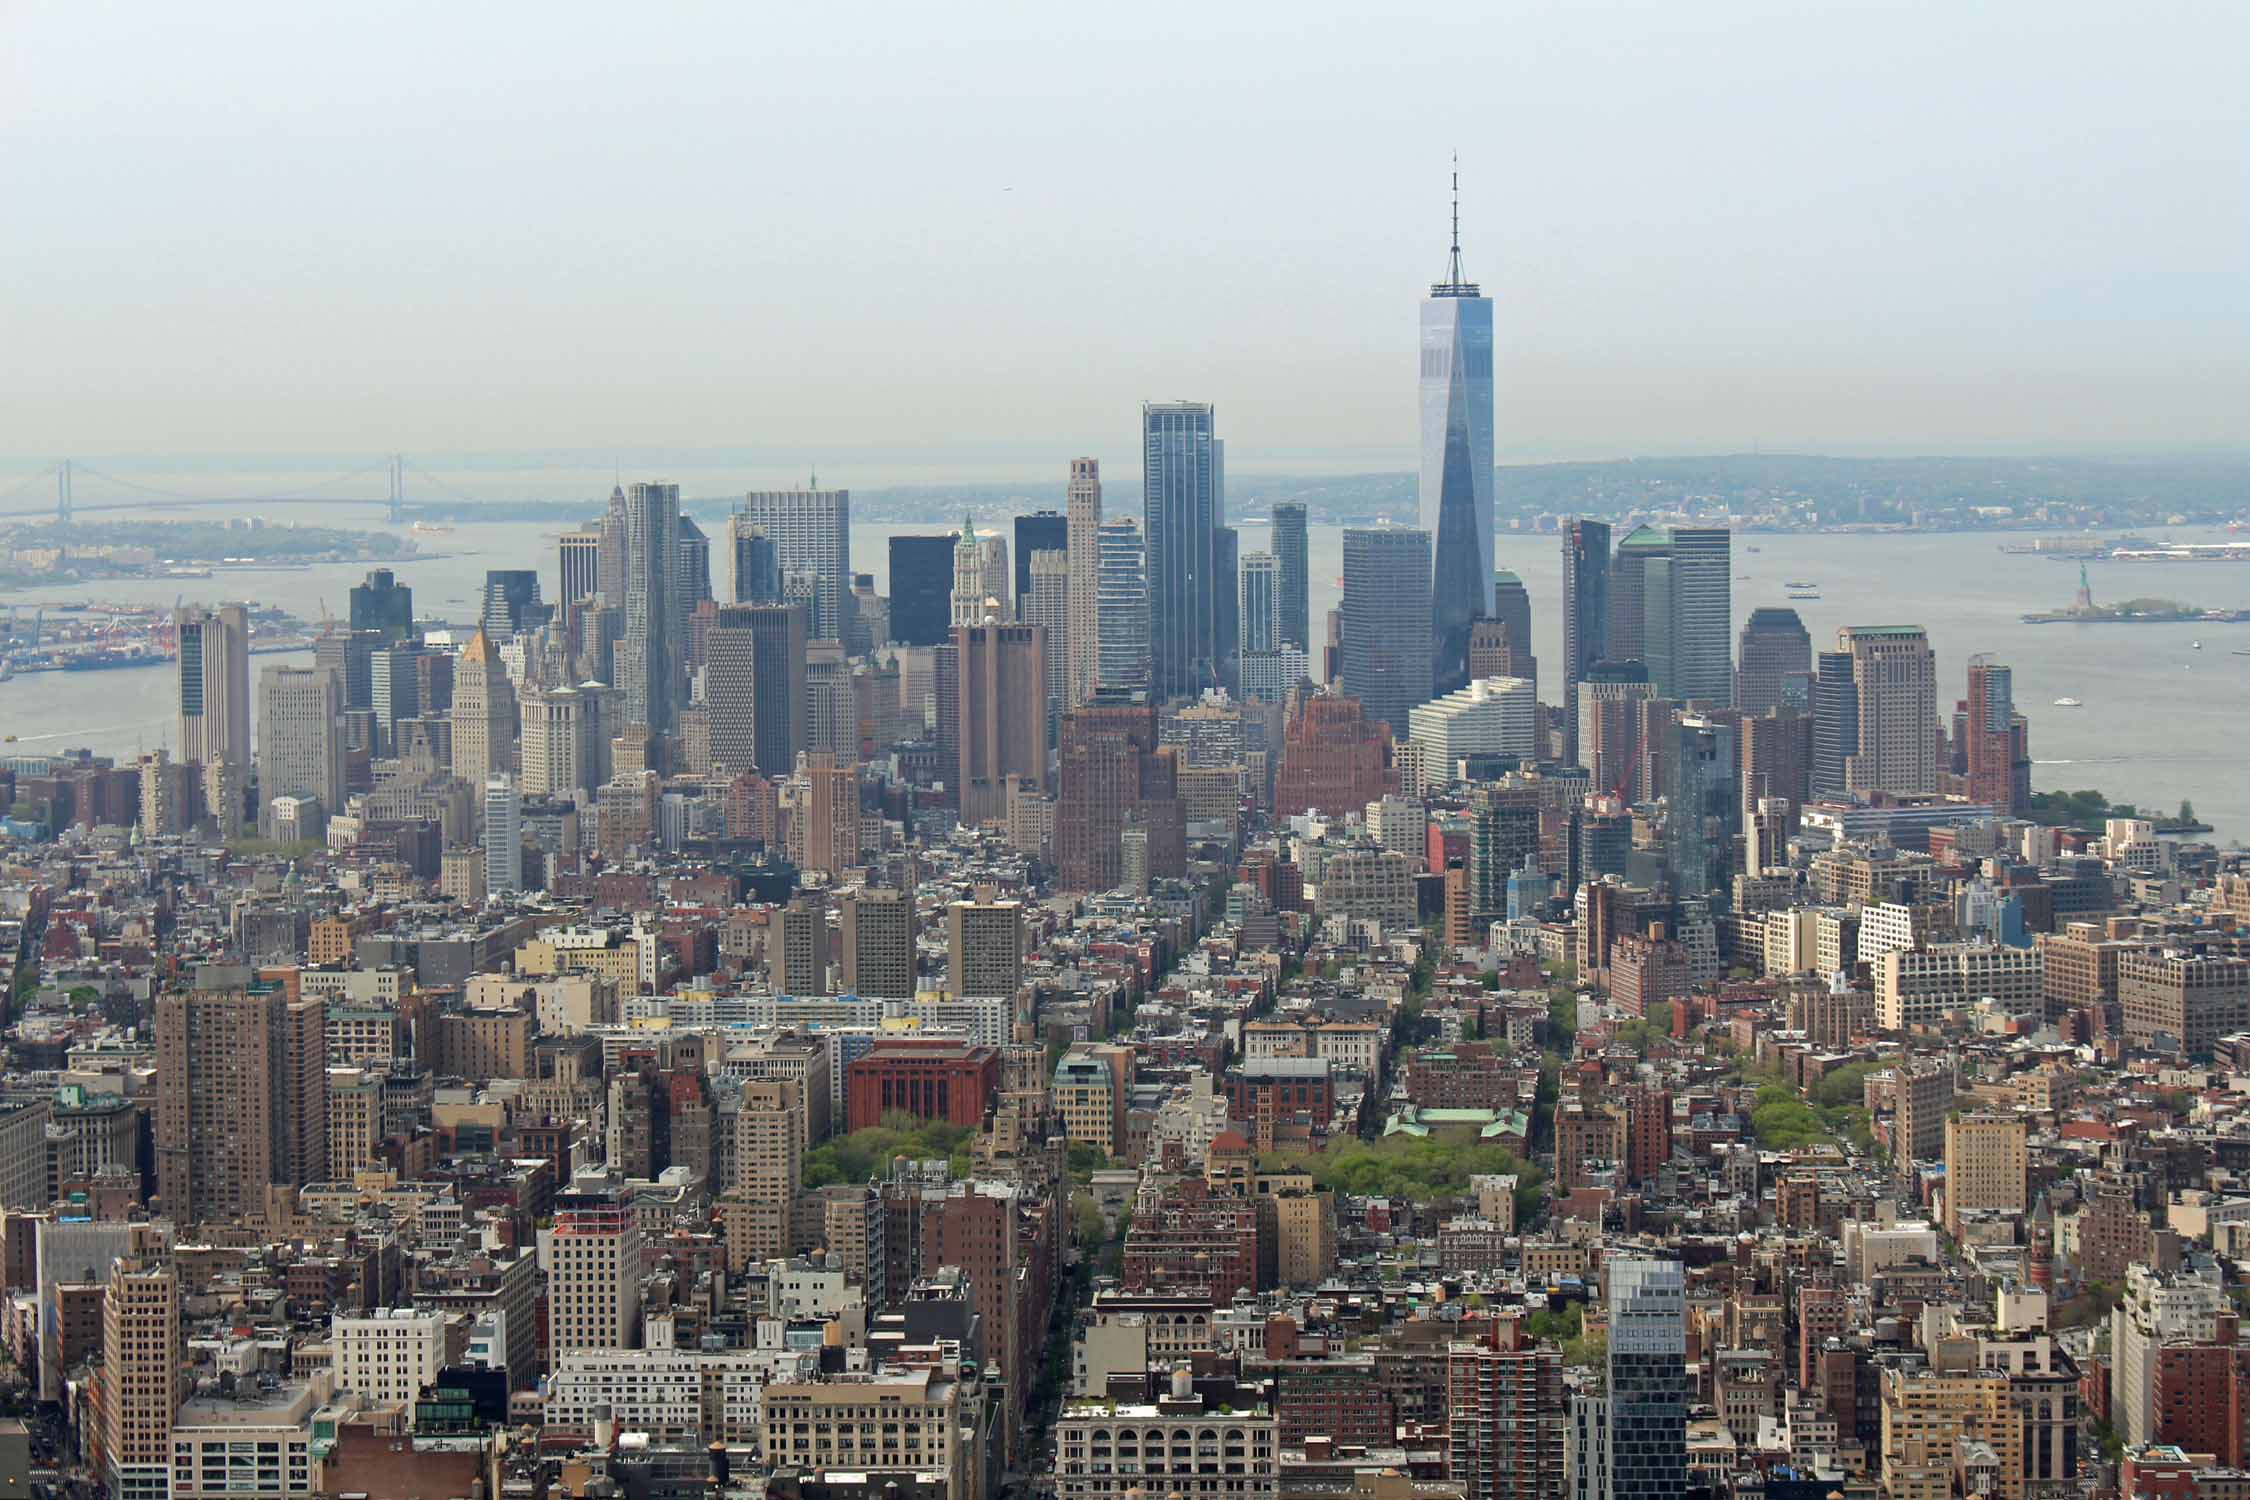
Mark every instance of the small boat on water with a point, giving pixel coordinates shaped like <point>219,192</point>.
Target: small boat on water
<point>2068,703</point>
<point>2195,645</point>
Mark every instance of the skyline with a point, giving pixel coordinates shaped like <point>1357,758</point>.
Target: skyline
<point>1696,240</point>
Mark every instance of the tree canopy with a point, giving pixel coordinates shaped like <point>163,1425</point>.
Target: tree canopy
<point>865,1154</point>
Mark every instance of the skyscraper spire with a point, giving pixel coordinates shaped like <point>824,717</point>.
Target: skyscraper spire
<point>1455,284</point>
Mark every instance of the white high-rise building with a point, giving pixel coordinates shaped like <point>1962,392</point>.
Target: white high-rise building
<point>553,743</point>
<point>1267,676</point>
<point>1122,659</point>
<point>593,1268</point>
<point>1261,602</point>
<point>390,1356</point>
<point>1491,716</point>
<point>1456,477</point>
<point>981,583</point>
<point>811,531</point>
<point>1083,513</point>
<point>503,837</point>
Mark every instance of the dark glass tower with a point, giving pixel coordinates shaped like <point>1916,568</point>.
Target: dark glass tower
<point>1835,707</point>
<point>922,589</point>
<point>1645,1455</point>
<point>1386,621</point>
<point>1290,551</point>
<point>1180,515</point>
<point>1773,661</point>
<point>384,605</point>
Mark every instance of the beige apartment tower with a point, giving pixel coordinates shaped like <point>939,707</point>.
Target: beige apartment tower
<point>984,943</point>
<point>241,1097</point>
<point>879,944</point>
<point>1894,674</point>
<point>483,714</point>
<point>1986,1165</point>
<point>140,1377</point>
<point>594,1270</point>
<point>768,1170</point>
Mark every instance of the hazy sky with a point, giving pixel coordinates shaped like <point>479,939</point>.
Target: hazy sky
<point>1707,224</point>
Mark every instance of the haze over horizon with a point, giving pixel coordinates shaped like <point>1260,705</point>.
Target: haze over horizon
<point>253,228</point>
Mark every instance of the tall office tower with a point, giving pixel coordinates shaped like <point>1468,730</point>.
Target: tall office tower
<point>384,605</point>
<point>610,562</point>
<point>1774,661</point>
<point>1628,623</point>
<point>484,714</point>
<point>300,737</point>
<point>1386,612</point>
<point>1698,617</point>
<point>1121,613</point>
<point>1703,805</point>
<point>1608,714</point>
<point>139,1377</point>
<point>581,557</point>
<point>1585,607</point>
<point>753,566</point>
<point>511,602</point>
<point>594,1275</point>
<point>756,688</point>
<point>1041,531</point>
<point>1180,510</point>
<point>1226,584</point>
<point>648,652</point>
<point>811,532</point>
<point>214,677</point>
<point>1511,607</point>
<point>1260,610</point>
<point>692,575</point>
<point>1046,604</point>
<point>1291,551</point>
<point>768,1171</point>
<point>554,738</point>
<point>1644,1452</point>
<point>879,944</point>
<point>922,589</point>
<point>1082,523</point>
<point>1114,769</point>
<point>797,950</point>
<point>1504,1415</point>
<point>503,837</point>
<point>825,832</point>
<point>1503,834</point>
<point>1003,714</point>
<point>1835,709</point>
<point>1895,676</point>
<point>350,654</point>
<point>1456,481</point>
<point>241,1096</point>
<point>1493,652</point>
<point>981,583</point>
<point>1996,751</point>
<point>984,946</point>
<point>1777,757</point>
<point>1269,676</point>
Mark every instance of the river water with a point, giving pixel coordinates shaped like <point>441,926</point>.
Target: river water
<point>2162,721</point>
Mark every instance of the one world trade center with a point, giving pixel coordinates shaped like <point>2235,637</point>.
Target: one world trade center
<point>1456,492</point>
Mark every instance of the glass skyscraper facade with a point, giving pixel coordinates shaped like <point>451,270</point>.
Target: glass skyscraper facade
<point>1122,610</point>
<point>1290,550</point>
<point>1386,620</point>
<point>1180,511</point>
<point>921,589</point>
<point>1261,603</point>
<point>1585,602</point>
<point>1644,1451</point>
<point>1456,478</point>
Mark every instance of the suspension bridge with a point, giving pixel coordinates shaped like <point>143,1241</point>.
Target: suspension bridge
<point>112,492</point>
